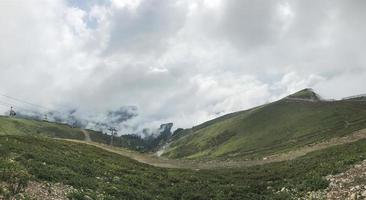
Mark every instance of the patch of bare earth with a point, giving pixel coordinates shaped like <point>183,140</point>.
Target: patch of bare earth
<point>44,191</point>
<point>86,135</point>
<point>349,185</point>
<point>48,191</point>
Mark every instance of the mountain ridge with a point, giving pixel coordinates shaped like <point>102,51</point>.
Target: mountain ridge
<point>290,131</point>
<point>294,121</point>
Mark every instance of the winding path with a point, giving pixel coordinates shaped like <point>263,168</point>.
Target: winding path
<point>152,159</point>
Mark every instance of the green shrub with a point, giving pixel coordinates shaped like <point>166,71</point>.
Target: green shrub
<point>14,175</point>
<point>314,183</point>
<point>104,175</point>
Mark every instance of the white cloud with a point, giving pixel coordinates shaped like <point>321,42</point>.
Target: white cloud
<point>129,4</point>
<point>183,61</point>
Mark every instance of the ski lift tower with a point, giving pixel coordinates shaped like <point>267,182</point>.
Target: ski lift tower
<point>113,133</point>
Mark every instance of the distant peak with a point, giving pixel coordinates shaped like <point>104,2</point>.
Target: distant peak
<point>306,91</point>
<point>360,97</point>
<point>307,94</point>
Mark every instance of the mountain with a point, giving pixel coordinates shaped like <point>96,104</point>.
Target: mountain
<point>295,121</point>
<point>361,97</point>
<point>35,165</point>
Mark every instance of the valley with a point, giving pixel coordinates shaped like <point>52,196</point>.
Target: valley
<point>154,160</point>
<point>182,100</point>
<point>289,149</point>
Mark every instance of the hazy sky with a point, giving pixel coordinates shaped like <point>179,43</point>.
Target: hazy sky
<point>181,61</point>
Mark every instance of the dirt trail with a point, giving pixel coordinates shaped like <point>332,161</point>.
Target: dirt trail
<point>300,99</point>
<point>86,135</point>
<point>358,135</point>
<point>152,159</point>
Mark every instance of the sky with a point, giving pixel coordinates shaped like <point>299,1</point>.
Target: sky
<point>180,61</point>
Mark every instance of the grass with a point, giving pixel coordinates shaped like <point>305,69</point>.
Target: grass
<point>18,126</point>
<point>277,127</point>
<point>27,155</point>
<point>105,175</point>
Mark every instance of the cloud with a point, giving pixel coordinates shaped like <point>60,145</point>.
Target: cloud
<point>181,61</point>
<point>122,114</point>
<point>250,24</point>
<point>144,28</point>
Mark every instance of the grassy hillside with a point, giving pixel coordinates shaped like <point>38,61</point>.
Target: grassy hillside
<point>295,121</point>
<point>17,126</point>
<point>98,174</point>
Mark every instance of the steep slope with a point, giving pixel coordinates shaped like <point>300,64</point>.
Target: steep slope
<point>297,120</point>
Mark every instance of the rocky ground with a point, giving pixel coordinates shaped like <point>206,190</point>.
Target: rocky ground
<point>36,190</point>
<point>350,185</point>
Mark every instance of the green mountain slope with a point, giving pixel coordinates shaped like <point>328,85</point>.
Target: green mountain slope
<point>27,159</point>
<point>17,126</point>
<point>20,126</point>
<point>97,174</point>
<point>295,121</point>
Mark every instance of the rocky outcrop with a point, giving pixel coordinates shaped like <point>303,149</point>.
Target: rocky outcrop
<point>165,129</point>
